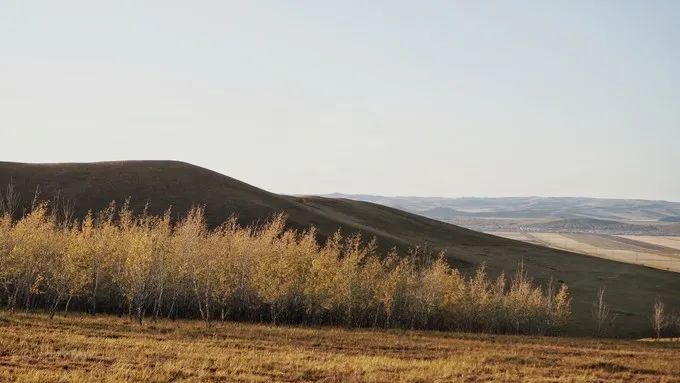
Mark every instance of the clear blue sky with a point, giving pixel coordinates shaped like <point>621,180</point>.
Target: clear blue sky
<point>471,98</point>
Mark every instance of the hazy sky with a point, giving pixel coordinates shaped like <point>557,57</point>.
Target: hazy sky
<point>471,98</point>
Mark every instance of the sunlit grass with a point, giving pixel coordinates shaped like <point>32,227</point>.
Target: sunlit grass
<point>105,348</point>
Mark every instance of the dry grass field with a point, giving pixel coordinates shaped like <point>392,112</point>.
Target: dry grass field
<point>662,252</point>
<point>110,349</point>
<point>666,241</point>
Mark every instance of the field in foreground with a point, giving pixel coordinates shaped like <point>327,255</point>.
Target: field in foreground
<point>80,348</point>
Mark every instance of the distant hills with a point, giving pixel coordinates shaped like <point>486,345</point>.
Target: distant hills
<point>610,216</point>
<point>631,289</point>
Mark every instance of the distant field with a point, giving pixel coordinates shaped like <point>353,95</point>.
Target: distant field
<point>110,349</point>
<point>672,242</point>
<point>662,252</point>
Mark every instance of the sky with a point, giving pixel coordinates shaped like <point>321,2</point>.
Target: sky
<point>420,98</point>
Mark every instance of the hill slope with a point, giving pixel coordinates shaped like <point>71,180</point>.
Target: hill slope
<point>631,289</point>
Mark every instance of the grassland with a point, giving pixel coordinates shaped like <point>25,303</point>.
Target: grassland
<point>109,349</point>
<point>672,242</point>
<point>662,252</point>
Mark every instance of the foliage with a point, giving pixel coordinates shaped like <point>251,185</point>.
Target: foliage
<point>147,266</point>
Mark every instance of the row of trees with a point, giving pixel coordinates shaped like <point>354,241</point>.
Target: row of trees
<point>149,267</point>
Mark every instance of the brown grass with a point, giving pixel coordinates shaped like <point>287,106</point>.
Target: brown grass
<point>667,241</point>
<point>81,348</point>
<point>640,250</point>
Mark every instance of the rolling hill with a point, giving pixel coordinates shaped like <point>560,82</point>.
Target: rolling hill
<point>631,289</point>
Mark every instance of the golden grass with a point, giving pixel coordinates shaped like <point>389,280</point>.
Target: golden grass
<point>637,251</point>
<point>666,240</point>
<point>110,349</point>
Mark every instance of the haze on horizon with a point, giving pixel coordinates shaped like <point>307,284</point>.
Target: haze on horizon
<point>465,98</point>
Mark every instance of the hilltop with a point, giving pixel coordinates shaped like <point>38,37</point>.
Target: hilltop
<point>161,184</point>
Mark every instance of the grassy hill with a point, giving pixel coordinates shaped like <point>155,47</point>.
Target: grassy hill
<point>631,290</point>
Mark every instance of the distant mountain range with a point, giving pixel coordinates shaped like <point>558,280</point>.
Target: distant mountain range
<point>564,214</point>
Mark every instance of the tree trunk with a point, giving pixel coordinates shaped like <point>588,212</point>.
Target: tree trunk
<point>207,311</point>
<point>53,309</point>
<point>375,318</point>
<point>140,314</point>
<point>13,302</point>
<point>27,303</point>
<point>7,293</point>
<point>93,293</point>
<point>348,321</point>
<point>272,312</point>
<point>201,311</point>
<point>157,305</point>
<point>172,305</point>
<point>68,302</point>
